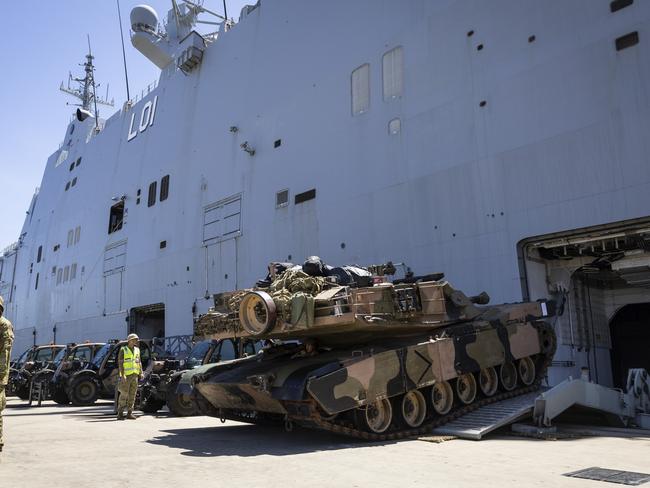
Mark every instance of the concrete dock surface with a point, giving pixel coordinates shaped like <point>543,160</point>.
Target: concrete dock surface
<point>66,446</point>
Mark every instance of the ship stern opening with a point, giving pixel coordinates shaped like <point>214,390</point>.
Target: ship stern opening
<point>600,278</point>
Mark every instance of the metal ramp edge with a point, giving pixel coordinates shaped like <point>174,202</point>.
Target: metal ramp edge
<point>478,423</point>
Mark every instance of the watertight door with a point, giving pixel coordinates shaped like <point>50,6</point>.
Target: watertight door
<point>222,266</point>
<point>113,293</point>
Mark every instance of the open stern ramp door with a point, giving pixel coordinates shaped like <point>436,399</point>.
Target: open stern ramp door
<point>600,278</point>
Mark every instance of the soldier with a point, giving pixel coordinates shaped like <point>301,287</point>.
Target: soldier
<point>6,341</point>
<point>130,369</point>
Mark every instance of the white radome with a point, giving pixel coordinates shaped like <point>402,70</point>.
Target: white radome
<point>144,16</point>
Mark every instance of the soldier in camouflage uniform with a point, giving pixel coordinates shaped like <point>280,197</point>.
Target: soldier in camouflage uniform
<point>6,341</point>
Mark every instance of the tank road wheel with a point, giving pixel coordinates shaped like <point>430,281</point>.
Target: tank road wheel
<point>466,388</point>
<point>414,408</point>
<point>526,368</point>
<point>442,397</point>
<point>83,391</point>
<point>488,381</point>
<point>257,313</point>
<point>376,417</point>
<point>508,376</point>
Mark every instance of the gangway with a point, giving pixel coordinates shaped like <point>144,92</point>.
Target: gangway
<point>478,423</point>
<point>631,406</point>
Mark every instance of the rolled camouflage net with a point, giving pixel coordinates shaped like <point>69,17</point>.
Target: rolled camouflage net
<point>293,293</point>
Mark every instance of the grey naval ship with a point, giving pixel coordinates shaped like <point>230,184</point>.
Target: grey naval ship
<point>504,143</point>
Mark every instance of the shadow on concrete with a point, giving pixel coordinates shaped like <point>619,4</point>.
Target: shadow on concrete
<point>66,410</point>
<point>252,440</point>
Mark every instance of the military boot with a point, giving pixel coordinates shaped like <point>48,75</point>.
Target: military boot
<point>120,416</point>
<point>130,416</point>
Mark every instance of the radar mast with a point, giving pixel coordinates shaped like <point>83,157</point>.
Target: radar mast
<point>86,91</point>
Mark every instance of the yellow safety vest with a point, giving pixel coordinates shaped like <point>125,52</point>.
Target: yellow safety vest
<point>131,362</point>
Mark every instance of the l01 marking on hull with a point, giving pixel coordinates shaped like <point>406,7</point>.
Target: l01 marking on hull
<point>146,118</point>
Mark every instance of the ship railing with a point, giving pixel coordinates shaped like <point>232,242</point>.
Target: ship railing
<point>179,345</point>
<point>144,92</point>
<point>10,248</point>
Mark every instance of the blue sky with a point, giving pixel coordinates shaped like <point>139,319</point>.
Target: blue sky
<point>44,40</point>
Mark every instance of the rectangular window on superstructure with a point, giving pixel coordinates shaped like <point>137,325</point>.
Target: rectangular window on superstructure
<point>152,194</point>
<point>73,271</point>
<point>40,254</point>
<point>66,274</point>
<point>63,155</point>
<point>77,234</point>
<point>36,285</point>
<point>282,199</point>
<point>305,196</point>
<point>59,276</point>
<point>392,69</point>
<point>116,217</point>
<point>361,89</point>
<point>164,188</point>
<point>70,237</point>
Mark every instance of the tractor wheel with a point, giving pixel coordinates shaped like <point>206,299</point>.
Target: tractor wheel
<point>22,392</point>
<point>83,391</point>
<point>60,396</point>
<point>151,405</point>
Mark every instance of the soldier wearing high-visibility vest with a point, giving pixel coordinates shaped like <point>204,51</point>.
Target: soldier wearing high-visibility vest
<point>130,369</point>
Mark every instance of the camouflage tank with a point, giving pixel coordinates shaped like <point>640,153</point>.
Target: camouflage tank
<point>378,361</point>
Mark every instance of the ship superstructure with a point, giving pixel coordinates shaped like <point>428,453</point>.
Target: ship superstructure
<point>503,143</point>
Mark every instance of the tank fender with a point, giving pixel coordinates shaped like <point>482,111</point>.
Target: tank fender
<point>371,377</point>
<point>293,387</point>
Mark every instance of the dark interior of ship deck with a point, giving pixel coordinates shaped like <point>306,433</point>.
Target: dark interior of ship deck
<point>148,321</point>
<point>630,333</point>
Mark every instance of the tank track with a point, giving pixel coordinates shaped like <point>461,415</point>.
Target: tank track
<point>424,429</point>
<point>542,364</point>
<point>311,416</point>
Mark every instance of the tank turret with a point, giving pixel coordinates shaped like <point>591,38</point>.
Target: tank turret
<point>298,305</point>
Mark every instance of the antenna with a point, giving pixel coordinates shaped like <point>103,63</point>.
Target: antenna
<point>225,10</point>
<point>86,92</point>
<point>92,77</point>
<point>126,73</point>
<point>199,8</point>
